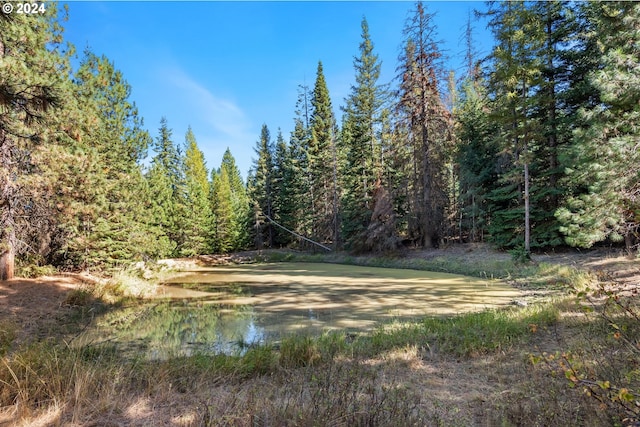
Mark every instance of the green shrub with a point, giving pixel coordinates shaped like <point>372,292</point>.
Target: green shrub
<point>258,360</point>
<point>32,271</point>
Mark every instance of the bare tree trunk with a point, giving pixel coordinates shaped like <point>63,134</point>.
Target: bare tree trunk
<point>7,190</point>
<point>7,232</point>
<point>527,226</point>
<point>527,213</point>
<point>7,260</point>
<point>336,227</point>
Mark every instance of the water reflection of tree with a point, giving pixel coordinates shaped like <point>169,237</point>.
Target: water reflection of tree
<point>171,328</point>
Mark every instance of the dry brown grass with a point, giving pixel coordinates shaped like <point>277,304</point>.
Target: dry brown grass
<point>408,385</point>
<point>320,382</point>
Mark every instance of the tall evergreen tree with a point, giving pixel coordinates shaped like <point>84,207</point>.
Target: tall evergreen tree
<point>555,111</point>
<point>606,203</point>
<point>283,190</point>
<point>360,141</point>
<point>167,154</point>
<point>241,218</point>
<point>476,154</point>
<point>166,186</point>
<point>113,227</point>
<point>395,161</point>
<point>222,206</point>
<point>30,89</point>
<point>426,124</point>
<point>197,220</point>
<point>536,81</point>
<point>514,76</point>
<point>300,203</point>
<point>98,80</point>
<point>322,158</point>
<point>261,190</point>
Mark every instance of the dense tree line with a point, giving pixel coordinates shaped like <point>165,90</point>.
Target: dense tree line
<point>535,146</point>
<point>74,188</point>
<point>525,150</point>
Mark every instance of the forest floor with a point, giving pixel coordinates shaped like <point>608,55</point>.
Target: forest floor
<point>499,388</point>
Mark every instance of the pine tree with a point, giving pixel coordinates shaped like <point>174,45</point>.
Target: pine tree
<point>362,147</point>
<point>197,219</point>
<point>322,158</point>
<point>167,189</point>
<point>514,76</point>
<point>300,203</point>
<point>283,189</point>
<point>476,154</point>
<point>606,179</point>
<point>555,111</point>
<point>113,227</point>
<point>451,170</point>
<point>241,218</point>
<point>536,81</point>
<point>223,214</point>
<point>396,171</point>
<point>100,83</point>
<point>167,154</point>
<point>161,205</point>
<point>475,149</point>
<point>261,190</point>
<point>33,91</point>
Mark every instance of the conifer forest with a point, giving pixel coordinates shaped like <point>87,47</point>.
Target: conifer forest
<point>531,148</point>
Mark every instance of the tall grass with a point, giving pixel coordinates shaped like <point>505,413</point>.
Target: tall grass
<point>7,335</point>
<point>45,374</point>
<point>302,380</point>
<point>465,335</point>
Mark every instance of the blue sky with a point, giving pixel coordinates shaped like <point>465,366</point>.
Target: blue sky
<point>225,68</point>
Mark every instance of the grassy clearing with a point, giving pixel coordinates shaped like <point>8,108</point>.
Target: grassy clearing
<point>469,369</point>
<point>334,379</point>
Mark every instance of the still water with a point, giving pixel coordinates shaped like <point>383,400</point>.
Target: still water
<point>225,309</point>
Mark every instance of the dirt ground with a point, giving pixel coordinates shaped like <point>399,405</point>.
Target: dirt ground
<point>38,306</point>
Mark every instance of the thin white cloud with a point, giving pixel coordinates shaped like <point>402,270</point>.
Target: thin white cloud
<point>217,122</point>
<point>224,116</point>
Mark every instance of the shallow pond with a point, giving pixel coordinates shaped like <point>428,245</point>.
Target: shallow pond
<point>224,309</point>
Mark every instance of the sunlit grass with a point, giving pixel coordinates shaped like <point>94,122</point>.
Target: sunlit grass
<point>465,335</point>
<point>121,284</point>
<point>126,283</point>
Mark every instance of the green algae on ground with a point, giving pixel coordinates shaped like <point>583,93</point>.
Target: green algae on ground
<point>351,288</point>
<point>224,309</point>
